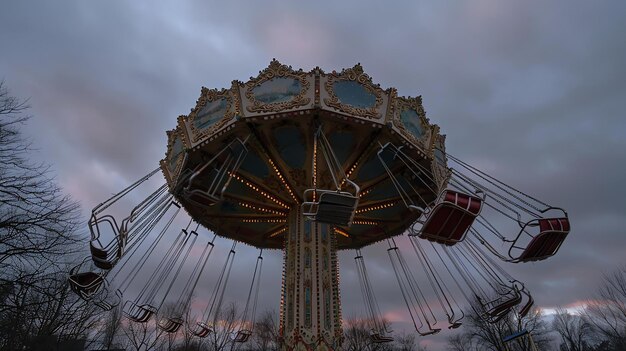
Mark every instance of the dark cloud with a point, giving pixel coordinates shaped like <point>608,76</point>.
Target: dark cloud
<point>532,91</point>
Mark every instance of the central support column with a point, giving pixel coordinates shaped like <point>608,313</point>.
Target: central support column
<point>310,312</point>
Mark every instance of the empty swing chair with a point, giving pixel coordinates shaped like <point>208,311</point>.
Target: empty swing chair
<point>379,333</point>
<point>109,240</point>
<point>542,228</point>
<point>414,298</point>
<point>448,218</point>
<point>249,312</point>
<point>143,308</point>
<point>543,243</point>
<point>85,283</point>
<point>333,206</point>
<point>173,323</point>
<point>207,183</point>
<point>205,326</point>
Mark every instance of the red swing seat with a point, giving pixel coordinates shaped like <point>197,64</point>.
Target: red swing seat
<point>449,220</point>
<point>552,233</point>
<point>171,325</point>
<point>202,331</point>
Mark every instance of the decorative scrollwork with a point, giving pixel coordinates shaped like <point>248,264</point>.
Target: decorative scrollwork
<point>174,157</point>
<point>354,74</point>
<point>277,70</point>
<point>223,101</point>
<point>441,172</point>
<point>411,128</point>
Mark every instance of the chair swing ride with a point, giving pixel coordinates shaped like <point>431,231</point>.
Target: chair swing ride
<point>311,163</point>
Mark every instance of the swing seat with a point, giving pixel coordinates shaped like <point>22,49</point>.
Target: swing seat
<point>552,233</point>
<point>432,331</point>
<point>505,306</point>
<point>378,338</point>
<point>450,219</point>
<point>104,256</point>
<point>170,325</point>
<point>242,335</point>
<point>85,284</point>
<point>208,181</point>
<point>455,324</point>
<point>333,207</point>
<point>140,313</point>
<point>202,330</point>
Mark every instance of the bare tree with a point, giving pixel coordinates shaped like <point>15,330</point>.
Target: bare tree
<point>607,313</point>
<point>461,342</point>
<point>478,334</point>
<point>266,335</point>
<point>58,315</point>
<point>142,336</point>
<point>37,235</point>
<point>405,341</point>
<point>36,220</point>
<point>357,336</point>
<point>224,328</point>
<point>575,331</point>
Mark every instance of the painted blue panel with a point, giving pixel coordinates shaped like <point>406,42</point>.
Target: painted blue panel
<point>290,146</point>
<point>177,150</point>
<point>278,89</point>
<point>341,142</point>
<point>211,112</point>
<point>353,93</point>
<point>254,165</point>
<point>411,121</point>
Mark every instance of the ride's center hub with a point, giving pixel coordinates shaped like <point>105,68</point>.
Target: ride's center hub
<point>292,160</point>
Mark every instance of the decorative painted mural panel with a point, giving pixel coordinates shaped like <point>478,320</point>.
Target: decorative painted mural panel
<point>214,110</point>
<point>409,120</point>
<point>278,88</point>
<point>352,92</point>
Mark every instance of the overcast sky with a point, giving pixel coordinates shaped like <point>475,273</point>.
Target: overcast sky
<point>534,91</point>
